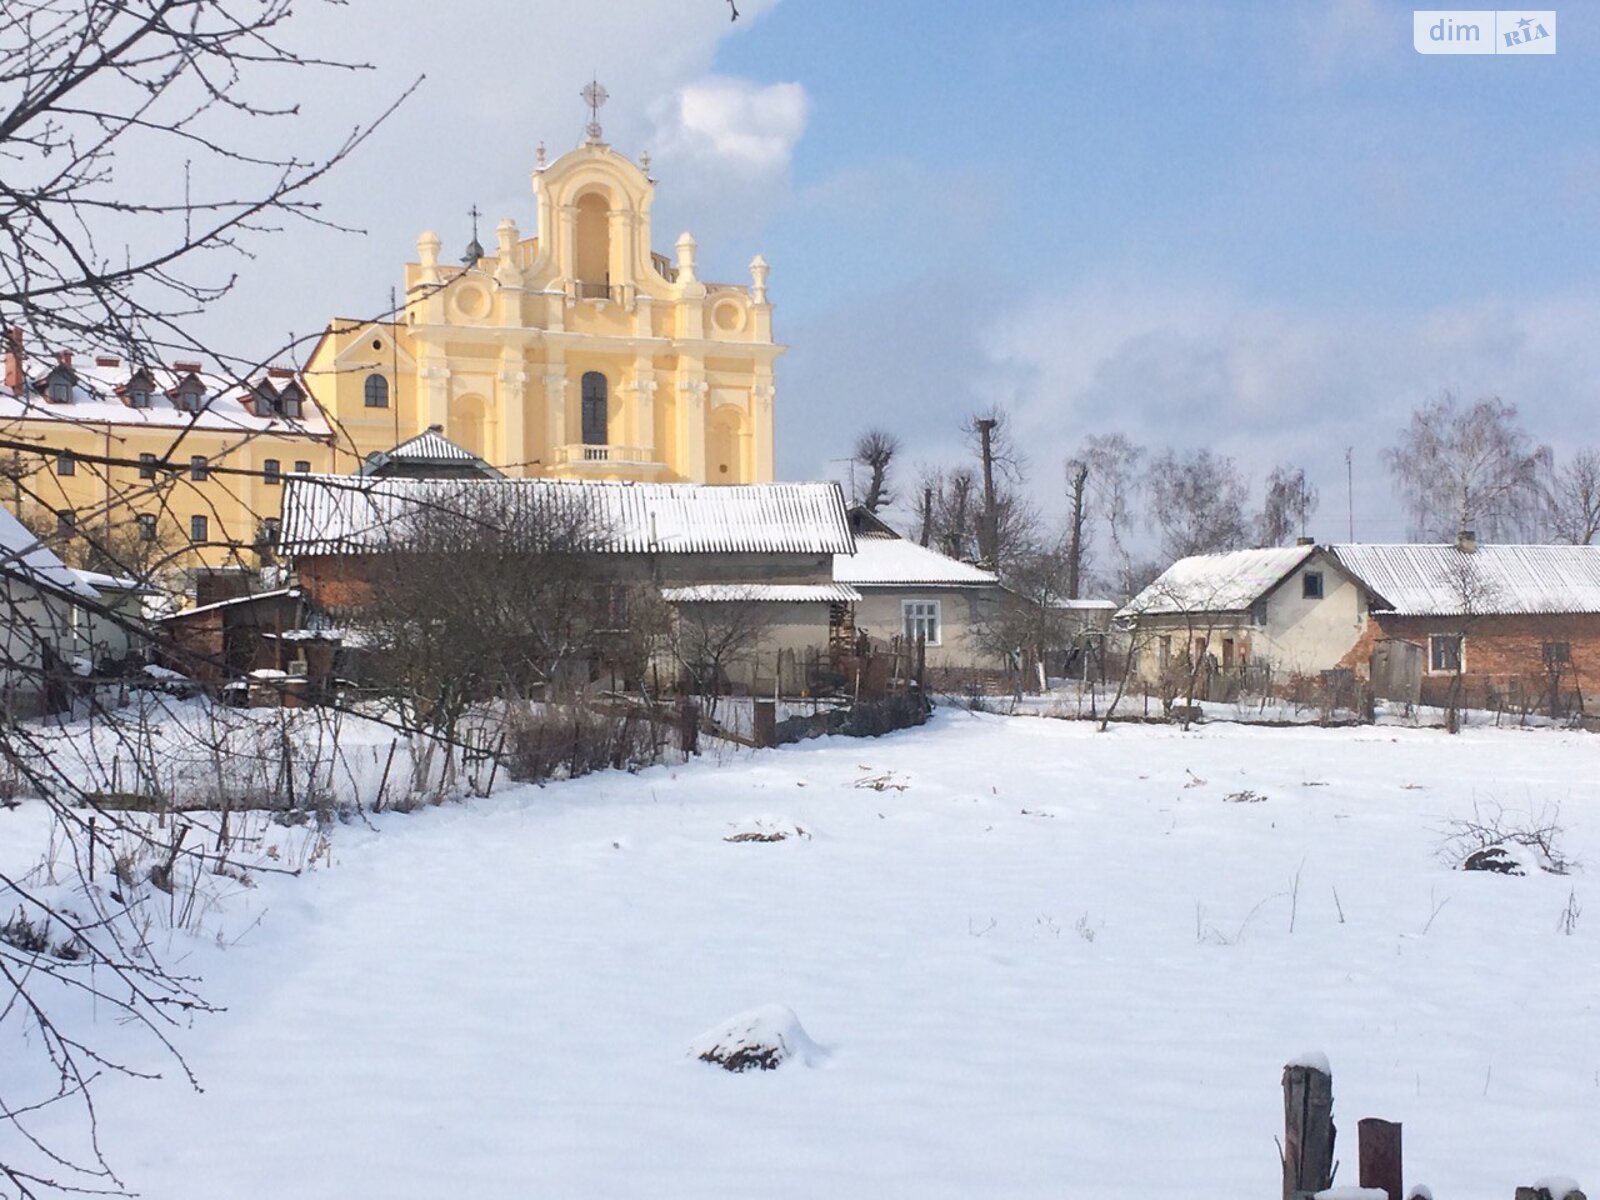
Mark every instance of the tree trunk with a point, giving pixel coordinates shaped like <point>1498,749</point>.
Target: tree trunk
<point>1080,475</point>
<point>988,525</point>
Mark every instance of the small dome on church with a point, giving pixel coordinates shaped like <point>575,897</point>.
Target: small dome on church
<point>474,252</point>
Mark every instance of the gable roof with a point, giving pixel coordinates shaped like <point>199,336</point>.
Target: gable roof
<point>428,448</point>
<point>1229,582</point>
<point>342,514</point>
<point>24,557</point>
<point>1443,580</point>
<point>885,560</point>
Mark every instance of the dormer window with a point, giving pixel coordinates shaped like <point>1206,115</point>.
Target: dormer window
<point>138,396</point>
<point>189,396</point>
<point>290,402</point>
<point>58,385</point>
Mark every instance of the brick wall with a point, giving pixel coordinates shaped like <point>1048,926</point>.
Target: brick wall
<point>1505,661</point>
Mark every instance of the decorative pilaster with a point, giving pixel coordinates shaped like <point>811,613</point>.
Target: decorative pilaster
<point>513,449</point>
<point>555,403</point>
<point>762,398</point>
<point>435,380</point>
<point>692,390</point>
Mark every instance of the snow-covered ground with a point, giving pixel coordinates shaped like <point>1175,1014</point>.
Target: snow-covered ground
<point>1035,961</point>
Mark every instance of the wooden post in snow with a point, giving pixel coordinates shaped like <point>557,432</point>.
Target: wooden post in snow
<point>1308,1132</point>
<point>1564,1190</point>
<point>1379,1148</point>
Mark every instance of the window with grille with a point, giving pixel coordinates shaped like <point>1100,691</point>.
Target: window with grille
<point>921,620</point>
<point>147,466</point>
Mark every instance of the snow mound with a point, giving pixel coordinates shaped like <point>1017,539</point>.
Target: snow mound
<point>760,1039</point>
<point>1557,1187</point>
<point>1352,1193</point>
<point>1314,1060</point>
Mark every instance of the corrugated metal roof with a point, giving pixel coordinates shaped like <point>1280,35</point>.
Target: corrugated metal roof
<point>342,514</point>
<point>888,561</point>
<point>1442,580</point>
<point>778,593</point>
<point>1229,582</point>
<point>431,446</point>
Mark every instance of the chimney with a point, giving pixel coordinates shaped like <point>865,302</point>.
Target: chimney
<point>1467,541</point>
<point>105,360</point>
<point>280,372</point>
<point>13,338</point>
<point>1305,541</point>
<point>192,367</point>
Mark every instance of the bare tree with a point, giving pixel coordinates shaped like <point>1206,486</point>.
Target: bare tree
<point>1286,507</point>
<point>1114,482</point>
<point>875,450</point>
<point>482,592</point>
<point>97,250</point>
<point>1196,503</point>
<point>1472,467</point>
<point>1575,499</point>
<point>713,638</point>
<point>1000,471</point>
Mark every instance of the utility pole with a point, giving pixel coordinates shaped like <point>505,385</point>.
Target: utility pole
<point>1078,475</point>
<point>1350,489</point>
<point>988,527</point>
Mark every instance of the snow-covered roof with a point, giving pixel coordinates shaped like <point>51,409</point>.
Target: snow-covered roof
<point>96,398</point>
<point>884,560</point>
<point>23,556</point>
<point>428,447</point>
<point>781,593</point>
<point>341,514</point>
<point>102,582</point>
<point>1229,582</point>
<point>231,601</point>
<point>1443,580</point>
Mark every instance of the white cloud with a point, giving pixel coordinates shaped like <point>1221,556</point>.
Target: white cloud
<point>1271,384</point>
<point>743,126</point>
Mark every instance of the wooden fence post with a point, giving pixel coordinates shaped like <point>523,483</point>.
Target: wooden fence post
<point>1308,1133</point>
<point>1378,1143</point>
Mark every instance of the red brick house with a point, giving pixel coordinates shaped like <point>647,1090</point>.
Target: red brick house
<point>1517,626</point>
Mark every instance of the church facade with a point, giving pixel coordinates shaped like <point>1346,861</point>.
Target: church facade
<point>578,352</point>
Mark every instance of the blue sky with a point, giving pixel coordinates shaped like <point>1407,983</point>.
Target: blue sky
<point>1270,228</point>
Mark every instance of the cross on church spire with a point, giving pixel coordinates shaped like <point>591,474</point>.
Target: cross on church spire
<point>474,247</point>
<point>594,95</point>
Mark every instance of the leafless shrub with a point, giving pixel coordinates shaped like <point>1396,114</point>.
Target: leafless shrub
<point>566,741</point>
<point>1491,825</point>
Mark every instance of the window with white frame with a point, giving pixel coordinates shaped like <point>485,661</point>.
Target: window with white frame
<point>920,619</point>
<point>1444,653</point>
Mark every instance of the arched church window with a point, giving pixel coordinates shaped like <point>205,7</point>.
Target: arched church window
<point>377,391</point>
<point>594,409</point>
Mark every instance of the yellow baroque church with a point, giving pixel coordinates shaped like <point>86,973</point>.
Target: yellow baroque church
<point>579,352</point>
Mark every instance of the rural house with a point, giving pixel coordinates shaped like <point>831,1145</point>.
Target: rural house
<point>1270,613</point>
<point>761,554</point>
<point>1488,625</point>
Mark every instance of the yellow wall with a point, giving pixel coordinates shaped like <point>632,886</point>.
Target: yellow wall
<point>106,499</point>
<point>495,352</point>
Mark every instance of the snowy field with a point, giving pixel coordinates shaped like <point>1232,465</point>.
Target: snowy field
<point>1037,961</point>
